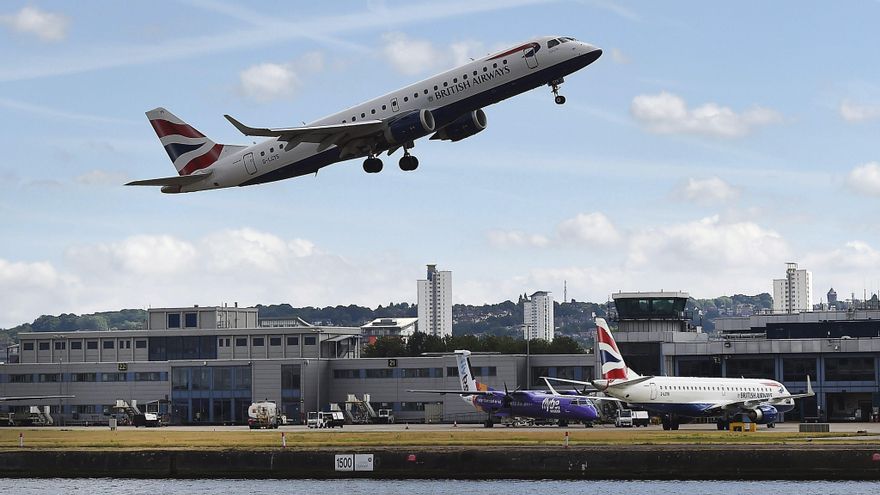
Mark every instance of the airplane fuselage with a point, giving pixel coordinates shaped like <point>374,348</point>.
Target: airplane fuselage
<point>696,396</point>
<point>448,96</point>
<point>537,405</point>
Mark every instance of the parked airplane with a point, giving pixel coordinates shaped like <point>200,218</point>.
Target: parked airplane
<point>518,403</point>
<point>448,105</point>
<point>679,399</point>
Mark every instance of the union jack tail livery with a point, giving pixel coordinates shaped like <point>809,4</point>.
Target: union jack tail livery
<point>189,149</point>
<point>613,365</point>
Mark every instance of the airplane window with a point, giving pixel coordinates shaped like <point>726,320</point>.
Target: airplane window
<point>552,43</point>
<point>563,40</point>
<point>383,107</point>
<point>343,121</point>
<point>454,80</point>
<point>415,95</point>
<point>363,115</point>
<point>406,98</point>
<point>262,153</point>
<point>445,84</point>
<point>426,91</point>
<point>494,66</point>
<point>271,150</point>
<point>475,73</point>
<point>504,61</point>
<point>373,111</point>
<point>485,69</point>
<point>353,119</point>
<point>435,87</point>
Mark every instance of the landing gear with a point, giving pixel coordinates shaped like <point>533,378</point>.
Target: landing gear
<point>670,422</point>
<point>408,162</point>
<point>372,165</point>
<point>488,423</point>
<point>554,86</point>
<point>723,424</point>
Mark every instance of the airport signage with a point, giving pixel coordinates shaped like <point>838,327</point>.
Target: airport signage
<point>122,366</point>
<point>353,462</point>
<point>392,363</point>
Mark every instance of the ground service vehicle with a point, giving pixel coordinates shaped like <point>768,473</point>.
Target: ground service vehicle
<point>624,418</point>
<point>263,414</point>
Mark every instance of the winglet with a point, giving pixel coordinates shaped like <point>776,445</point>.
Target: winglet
<point>809,386</point>
<point>247,131</point>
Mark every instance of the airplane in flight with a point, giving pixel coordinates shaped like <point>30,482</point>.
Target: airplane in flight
<point>678,399</point>
<point>518,403</point>
<point>448,106</point>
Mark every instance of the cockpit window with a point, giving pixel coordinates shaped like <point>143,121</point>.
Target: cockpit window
<point>564,40</point>
<point>568,39</point>
<point>552,43</point>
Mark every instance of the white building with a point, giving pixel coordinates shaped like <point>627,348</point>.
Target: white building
<point>388,327</point>
<point>538,316</point>
<point>435,303</point>
<point>794,293</point>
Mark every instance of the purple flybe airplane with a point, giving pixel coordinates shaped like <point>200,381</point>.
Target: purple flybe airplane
<point>532,404</point>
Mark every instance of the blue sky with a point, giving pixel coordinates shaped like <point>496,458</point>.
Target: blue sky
<point>707,147</point>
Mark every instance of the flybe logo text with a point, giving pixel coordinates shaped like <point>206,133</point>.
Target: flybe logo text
<point>475,81</point>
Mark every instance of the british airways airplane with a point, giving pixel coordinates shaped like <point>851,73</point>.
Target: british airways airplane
<point>447,106</point>
<point>679,398</point>
<point>519,403</point>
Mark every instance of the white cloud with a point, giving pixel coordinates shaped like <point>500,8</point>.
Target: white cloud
<point>47,26</point>
<point>588,229</point>
<point>708,244</point>
<point>270,81</point>
<point>266,82</point>
<point>707,191</point>
<point>413,56</point>
<point>667,113</point>
<point>854,112</point>
<point>515,238</point>
<point>865,179</point>
<point>619,57</point>
<point>99,177</point>
<point>245,265</point>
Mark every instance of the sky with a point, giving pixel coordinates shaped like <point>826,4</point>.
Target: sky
<point>708,146</point>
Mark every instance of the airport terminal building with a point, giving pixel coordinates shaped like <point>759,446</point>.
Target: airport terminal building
<point>207,364</point>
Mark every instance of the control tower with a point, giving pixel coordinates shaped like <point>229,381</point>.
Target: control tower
<point>647,319</point>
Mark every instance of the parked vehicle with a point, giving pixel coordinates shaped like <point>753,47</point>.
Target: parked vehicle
<point>322,419</point>
<point>263,414</point>
<point>624,418</point>
<point>640,418</point>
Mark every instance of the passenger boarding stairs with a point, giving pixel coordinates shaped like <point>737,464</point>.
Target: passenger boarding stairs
<point>359,411</point>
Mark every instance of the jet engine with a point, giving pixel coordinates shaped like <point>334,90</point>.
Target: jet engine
<point>409,127</point>
<point>465,126</point>
<point>763,415</point>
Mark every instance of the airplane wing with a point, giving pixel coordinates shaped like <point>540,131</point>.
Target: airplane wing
<point>459,392</point>
<point>37,397</point>
<point>591,397</point>
<point>177,180</point>
<point>586,385</point>
<point>752,403</point>
<point>323,135</point>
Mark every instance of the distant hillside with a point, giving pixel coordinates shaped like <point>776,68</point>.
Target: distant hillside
<point>573,319</point>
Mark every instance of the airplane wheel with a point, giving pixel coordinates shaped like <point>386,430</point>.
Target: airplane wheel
<point>408,163</point>
<point>560,99</point>
<point>372,165</point>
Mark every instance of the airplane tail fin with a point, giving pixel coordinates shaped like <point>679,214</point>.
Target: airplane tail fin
<point>465,377</point>
<point>613,365</point>
<point>189,149</point>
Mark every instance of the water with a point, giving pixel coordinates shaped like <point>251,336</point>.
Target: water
<point>108,486</point>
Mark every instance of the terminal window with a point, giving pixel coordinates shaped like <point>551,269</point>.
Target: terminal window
<point>240,342</point>
<point>92,344</point>
<point>108,344</point>
<point>309,341</point>
<point>44,346</point>
<point>173,320</point>
<point>258,342</point>
<point>275,341</point>
<point>76,345</point>
<point>59,346</point>
<point>28,346</point>
<point>191,320</point>
<point>140,344</point>
<point>292,340</point>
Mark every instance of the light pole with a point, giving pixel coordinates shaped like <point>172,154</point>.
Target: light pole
<point>527,334</point>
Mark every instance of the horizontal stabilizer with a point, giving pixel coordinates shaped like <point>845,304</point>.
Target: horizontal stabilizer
<point>627,383</point>
<point>177,180</point>
<point>457,392</point>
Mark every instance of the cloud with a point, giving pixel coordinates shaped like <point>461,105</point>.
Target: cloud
<point>268,81</point>
<point>516,238</point>
<point>244,264</point>
<point>854,112</point>
<point>99,177</point>
<point>865,179</point>
<point>709,244</point>
<point>667,113</point>
<point>619,57</point>
<point>411,56</point>
<point>47,26</point>
<point>588,229</point>
<point>707,191</point>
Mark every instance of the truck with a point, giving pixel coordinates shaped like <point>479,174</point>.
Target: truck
<point>640,418</point>
<point>263,414</point>
<point>385,416</point>
<point>624,418</point>
<point>325,419</point>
